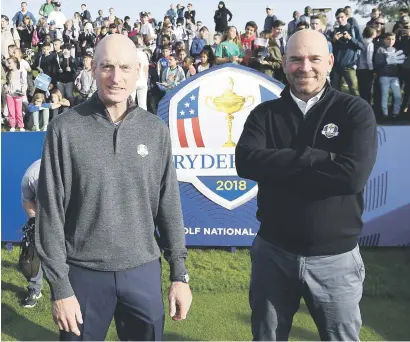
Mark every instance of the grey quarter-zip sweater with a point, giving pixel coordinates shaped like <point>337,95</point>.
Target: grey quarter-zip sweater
<point>102,191</point>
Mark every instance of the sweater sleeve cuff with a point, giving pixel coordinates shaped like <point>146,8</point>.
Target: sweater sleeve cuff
<point>178,269</point>
<point>316,156</point>
<point>61,289</point>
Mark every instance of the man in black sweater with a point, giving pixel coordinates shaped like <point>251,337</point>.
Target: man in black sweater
<point>311,152</point>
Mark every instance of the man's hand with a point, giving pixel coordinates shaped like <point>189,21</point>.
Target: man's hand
<point>180,299</point>
<point>337,36</point>
<point>67,313</point>
<point>347,35</point>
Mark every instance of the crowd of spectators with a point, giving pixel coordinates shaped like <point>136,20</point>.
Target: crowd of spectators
<point>369,62</point>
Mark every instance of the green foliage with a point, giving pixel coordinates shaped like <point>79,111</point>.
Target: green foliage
<point>389,8</point>
<point>220,309</point>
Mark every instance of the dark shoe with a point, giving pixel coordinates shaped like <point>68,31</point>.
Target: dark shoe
<point>31,300</point>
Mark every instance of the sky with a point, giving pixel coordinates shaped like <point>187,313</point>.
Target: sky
<point>242,10</point>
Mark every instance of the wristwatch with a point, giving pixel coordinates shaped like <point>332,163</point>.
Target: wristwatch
<point>183,278</point>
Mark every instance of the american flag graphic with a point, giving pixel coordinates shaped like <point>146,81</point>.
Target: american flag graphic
<point>188,120</point>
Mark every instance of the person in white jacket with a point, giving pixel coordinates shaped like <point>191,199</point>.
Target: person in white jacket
<point>57,16</point>
<point>141,89</point>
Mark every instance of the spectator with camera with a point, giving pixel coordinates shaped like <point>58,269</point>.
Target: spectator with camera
<point>347,45</point>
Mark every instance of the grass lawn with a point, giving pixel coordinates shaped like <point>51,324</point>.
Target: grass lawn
<point>220,310</point>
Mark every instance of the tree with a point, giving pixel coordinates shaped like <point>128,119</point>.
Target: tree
<point>389,8</point>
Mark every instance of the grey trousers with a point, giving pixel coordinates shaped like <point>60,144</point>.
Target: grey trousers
<point>36,283</point>
<point>331,286</point>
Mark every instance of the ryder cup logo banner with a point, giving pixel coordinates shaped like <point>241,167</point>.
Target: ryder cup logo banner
<point>206,115</point>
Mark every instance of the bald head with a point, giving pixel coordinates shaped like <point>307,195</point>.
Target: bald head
<point>307,39</point>
<point>307,62</point>
<point>116,69</point>
<point>117,44</point>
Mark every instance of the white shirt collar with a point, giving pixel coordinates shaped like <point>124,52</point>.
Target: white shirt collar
<point>305,106</point>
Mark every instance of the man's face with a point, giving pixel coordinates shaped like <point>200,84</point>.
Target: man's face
<point>217,40</point>
<point>308,10</point>
<point>100,13</point>
<point>172,6</point>
<point>189,7</point>
<point>296,15</point>
<point>23,7</point>
<point>56,8</point>
<point>83,7</point>
<point>103,31</point>
<point>113,30</point>
<point>307,66</point>
<point>315,25</point>
<point>4,23</point>
<point>111,10</point>
<point>277,31</point>
<point>249,31</point>
<point>269,11</point>
<point>378,24</point>
<point>144,19</point>
<point>348,11</point>
<point>116,73</point>
<point>57,45</point>
<point>341,19</point>
<point>165,41</point>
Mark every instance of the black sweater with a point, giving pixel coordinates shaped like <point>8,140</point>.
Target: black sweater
<point>307,203</point>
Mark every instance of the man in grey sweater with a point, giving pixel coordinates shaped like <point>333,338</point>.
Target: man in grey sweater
<point>106,182</point>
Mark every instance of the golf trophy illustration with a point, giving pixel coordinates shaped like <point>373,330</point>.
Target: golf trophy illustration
<point>229,103</point>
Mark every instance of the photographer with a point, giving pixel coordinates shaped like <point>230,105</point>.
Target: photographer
<point>347,45</point>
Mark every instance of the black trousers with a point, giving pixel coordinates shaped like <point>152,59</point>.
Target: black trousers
<point>133,297</point>
<point>365,82</point>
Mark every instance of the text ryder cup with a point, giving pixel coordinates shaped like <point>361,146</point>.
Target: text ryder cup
<point>220,231</point>
<point>204,161</point>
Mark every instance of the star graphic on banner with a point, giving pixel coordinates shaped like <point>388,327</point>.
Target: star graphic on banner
<point>192,112</point>
<point>193,98</point>
<point>182,112</point>
<point>186,104</point>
